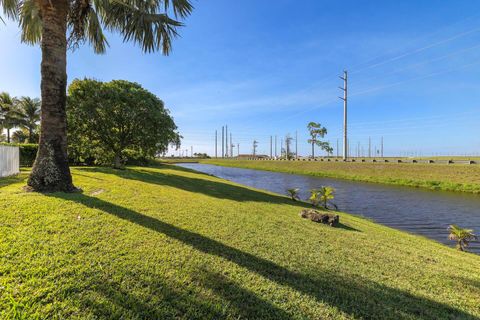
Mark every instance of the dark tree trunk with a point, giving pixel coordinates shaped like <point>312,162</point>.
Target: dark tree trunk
<point>50,171</point>
<point>313,151</point>
<point>8,135</point>
<point>30,133</point>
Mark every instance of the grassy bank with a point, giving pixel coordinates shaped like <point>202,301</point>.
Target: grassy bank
<point>162,243</point>
<point>464,178</point>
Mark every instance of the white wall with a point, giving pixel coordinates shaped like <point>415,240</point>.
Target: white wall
<point>9,161</point>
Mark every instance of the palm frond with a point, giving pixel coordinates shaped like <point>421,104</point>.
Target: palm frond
<point>10,8</point>
<point>30,22</point>
<point>95,33</point>
<point>181,8</point>
<point>138,21</point>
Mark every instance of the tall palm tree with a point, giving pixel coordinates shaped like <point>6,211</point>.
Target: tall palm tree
<point>29,115</point>
<point>59,24</point>
<point>316,131</point>
<point>8,113</point>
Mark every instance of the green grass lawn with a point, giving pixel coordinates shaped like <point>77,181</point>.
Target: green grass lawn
<point>448,177</point>
<point>166,242</point>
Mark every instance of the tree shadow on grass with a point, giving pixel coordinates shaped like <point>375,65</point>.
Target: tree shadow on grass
<point>6,181</point>
<point>108,299</point>
<point>207,187</point>
<point>354,296</point>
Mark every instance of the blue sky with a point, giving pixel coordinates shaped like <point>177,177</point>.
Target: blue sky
<point>270,67</point>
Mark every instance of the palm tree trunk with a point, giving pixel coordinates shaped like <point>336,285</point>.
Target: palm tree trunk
<point>30,133</point>
<point>50,171</point>
<point>313,151</point>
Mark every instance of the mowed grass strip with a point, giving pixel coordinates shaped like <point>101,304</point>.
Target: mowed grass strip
<point>447,177</point>
<point>166,242</point>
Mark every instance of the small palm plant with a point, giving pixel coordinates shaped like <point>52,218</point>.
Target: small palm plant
<point>322,196</point>
<point>314,197</point>
<point>462,236</point>
<point>326,194</point>
<point>293,193</point>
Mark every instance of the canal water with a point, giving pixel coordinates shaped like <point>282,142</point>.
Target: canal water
<point>420,211</point>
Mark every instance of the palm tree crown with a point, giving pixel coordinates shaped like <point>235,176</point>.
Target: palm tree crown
<point>9,116</point>
<point>146,23</point>
<point>29,115</point>
<point>461,236</point>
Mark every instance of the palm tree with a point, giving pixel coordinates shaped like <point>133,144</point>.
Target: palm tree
<point>29,113</point>
<point>462,236</point>
<point>293,193</point>
<point>20,136</point>
<point>326,194</point>
<point>8,113</point>
<point>322,196</point>
<point>317,131</point>
<point>47,22</point>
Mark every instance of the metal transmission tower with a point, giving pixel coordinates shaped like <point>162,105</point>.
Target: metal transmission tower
<point>226,141</point>
<point>231,146</point>
<point>216,144</point>
<point>345,92</point>
<point>223,145</point>
<point>238,149</point>
<point>369,147</point>
<point>296,144</point>
<point>271,149</point>
<point>382,147</point>
<point>275,146</point>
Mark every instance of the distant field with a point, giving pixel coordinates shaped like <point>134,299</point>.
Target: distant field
<point>465,178</point>
<point>176,160</point>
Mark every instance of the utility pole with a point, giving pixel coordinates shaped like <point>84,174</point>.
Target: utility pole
<point>226,141</point>
<point>271,147</point>
<point>337,149</point>
<point>231,146</point>
<point>191,151</point>
<point>382,147</point>
<point>223,145</point>
<point>275,146</point>
<point>369,147</point>
<point>296,144</point>
<point>281,147</point>
<point>238,149</point>
<point>216,144</point>
<point>345,136</point>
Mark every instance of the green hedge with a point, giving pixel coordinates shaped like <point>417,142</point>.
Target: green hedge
<point>28,152</point>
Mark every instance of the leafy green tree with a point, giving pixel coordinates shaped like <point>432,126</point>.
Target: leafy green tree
<point>108,119</point>
<point>255,145</point>
<point>316,131</point>
<point>59,24</point>
<point>8,113</point>
<point>29,116</point>
<point>461,236</point>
